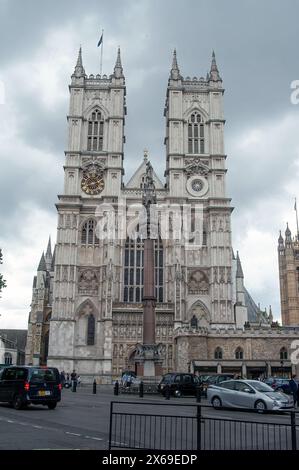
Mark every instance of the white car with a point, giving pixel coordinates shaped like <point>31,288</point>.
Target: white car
<point>247,394</point>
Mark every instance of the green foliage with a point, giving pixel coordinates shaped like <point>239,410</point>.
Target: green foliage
<point>2,281</point>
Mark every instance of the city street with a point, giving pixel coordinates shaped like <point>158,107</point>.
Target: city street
<point>81,420</point>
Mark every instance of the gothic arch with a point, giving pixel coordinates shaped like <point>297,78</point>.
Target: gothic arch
<point>195,108</point>
<point>79,310</point>
<point>201,312</point>
<point>97,104</point>
<point>82,325</point>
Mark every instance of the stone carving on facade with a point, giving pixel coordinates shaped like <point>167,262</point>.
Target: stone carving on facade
<point>198,282</point>
<point>196,167</point>
<point>88,282</point>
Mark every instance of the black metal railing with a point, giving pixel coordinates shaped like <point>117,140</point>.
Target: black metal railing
<point>197,427</point>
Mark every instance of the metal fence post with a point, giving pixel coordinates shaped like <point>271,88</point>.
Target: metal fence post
<point>198,394</point>
<point>198,427</point>
<point>141,389</point>
<point>293,430</point>
<point>94,387</point>
<point>110,428</point>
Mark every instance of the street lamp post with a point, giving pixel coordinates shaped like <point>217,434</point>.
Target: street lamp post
<point>281,363</point>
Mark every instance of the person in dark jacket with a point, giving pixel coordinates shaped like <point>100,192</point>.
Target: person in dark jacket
<point>294,388</point>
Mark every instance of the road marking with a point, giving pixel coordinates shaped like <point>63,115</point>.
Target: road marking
<point>73,434</point>
<point>94,438</point>
<point>37,427</point>
<point>8,421</point>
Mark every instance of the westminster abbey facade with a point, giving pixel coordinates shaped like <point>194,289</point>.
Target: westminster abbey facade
<point>86,311</point>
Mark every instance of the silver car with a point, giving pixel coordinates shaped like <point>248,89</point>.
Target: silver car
<point>247,394</point>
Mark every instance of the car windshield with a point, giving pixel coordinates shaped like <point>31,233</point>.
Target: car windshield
<point>43,375</point>
<point>261,387</point>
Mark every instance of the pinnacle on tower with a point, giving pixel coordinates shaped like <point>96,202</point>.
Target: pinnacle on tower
<point>79,69</point>
<point>214,72</point>
<point>48,256</point>
<point>239,267</point>
<point>175,71</point>
<point>280,238</point>
<point>42,264</point>
<point>118,70</point>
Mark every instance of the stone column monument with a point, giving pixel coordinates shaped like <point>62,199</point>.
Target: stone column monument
<point>148,355</point>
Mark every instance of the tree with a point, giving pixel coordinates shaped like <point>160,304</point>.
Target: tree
<point>2,281</point>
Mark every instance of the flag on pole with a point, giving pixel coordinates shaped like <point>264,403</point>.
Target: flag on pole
<point>100,41</point>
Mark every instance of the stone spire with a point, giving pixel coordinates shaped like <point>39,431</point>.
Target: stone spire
<point>118,70</point>
<point>175,71</point>
<point>42,264</point>
<point>48,256</point>
<point>214,72</point>
<point>288,235</point>
<point>79,69</point>
<point>239,272</point>
<point>280,240</point>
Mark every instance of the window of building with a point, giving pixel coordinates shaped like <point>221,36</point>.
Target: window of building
<point>196,134</point>
<point>283,354</point>
<point>239,354</point>
<point>95,131</point>
<point>7,359</point>
<point>90,330</point>
<point>218,354</point>
<point>133,270</point>
<point>88,233</point>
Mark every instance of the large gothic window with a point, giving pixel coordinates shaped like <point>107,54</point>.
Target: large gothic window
<point>133,271</point>
<point>90,330</point>
<point>88,233</point>
<point>196,131</point>
<point>95,131</point>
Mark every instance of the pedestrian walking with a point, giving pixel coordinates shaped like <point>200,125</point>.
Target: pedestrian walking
<point>74,380</point>
<point>294,389</point>
<point>62,378</point>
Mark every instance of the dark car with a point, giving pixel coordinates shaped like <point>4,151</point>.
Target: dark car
<point>279,384</point>
<point>24,385</point>
<point>215,379</point>
<point>179,384</point>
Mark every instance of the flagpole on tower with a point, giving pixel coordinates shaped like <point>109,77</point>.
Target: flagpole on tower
<point>101,43</point>
<point>295,207</point>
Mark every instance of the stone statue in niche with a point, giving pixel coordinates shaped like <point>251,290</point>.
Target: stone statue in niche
<point>88,282</point>
<point>200,317</point>
<point>198,282</point>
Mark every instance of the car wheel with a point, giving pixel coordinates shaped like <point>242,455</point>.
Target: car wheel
<point>178,393</point>
<point>216,402</point>
<point>17,402</point>
<point>260,406</point>
<point>52,406</point>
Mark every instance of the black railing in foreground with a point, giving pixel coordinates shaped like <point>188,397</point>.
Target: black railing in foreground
<point>141,425</point>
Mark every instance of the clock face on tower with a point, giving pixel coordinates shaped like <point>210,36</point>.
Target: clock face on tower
<point>92,180</point>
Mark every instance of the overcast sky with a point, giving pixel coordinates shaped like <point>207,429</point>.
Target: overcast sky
<point>256,45</point>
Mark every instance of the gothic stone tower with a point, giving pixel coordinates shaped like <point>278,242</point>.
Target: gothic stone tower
<point>288,262</point>
<point>81,325</point>
<point>205,278</point>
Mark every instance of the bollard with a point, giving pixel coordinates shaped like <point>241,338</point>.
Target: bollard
<point>198,394</point>
<point>141,389</point>
<point>116,388</point>
<point>94,387</point>
<point>167,392</point>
